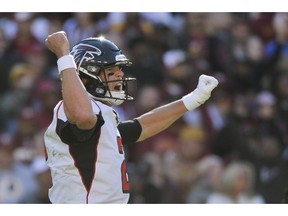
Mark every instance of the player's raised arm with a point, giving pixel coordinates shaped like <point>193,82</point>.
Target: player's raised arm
<point>77,103</point>
<point>161,118</point>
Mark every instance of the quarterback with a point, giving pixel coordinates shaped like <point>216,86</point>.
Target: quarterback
<point>84,140</point>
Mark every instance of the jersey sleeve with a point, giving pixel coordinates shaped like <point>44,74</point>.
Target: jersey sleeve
<point>130,131</point>
<point>70,133</point>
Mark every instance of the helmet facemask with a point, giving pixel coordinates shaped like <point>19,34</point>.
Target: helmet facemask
<point>99,88</point>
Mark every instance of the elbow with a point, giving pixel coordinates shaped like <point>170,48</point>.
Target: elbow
<point>86,121</point>
<point>145,134</point>
<point>83,120</point>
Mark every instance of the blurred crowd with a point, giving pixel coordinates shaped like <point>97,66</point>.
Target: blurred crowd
<point>232,149</point>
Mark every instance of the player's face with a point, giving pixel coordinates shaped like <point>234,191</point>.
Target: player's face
<point>112,74</point>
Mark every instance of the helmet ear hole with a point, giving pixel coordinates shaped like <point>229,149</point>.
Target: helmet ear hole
<point>100,91</point>
<point>96,88</point>
<point>93,69</point>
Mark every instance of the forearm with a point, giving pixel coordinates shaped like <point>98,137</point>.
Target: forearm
<point>160,118</point>
<point>77,103</point>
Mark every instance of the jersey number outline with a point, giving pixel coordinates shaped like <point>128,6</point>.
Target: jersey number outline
<point>124,175</point>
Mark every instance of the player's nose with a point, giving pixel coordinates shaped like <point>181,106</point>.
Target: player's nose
<point>119,73</point>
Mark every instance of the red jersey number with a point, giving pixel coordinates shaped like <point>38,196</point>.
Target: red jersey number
<point>124,177</point>
<point>125,185</point>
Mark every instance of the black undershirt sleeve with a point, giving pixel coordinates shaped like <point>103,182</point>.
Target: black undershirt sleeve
<point>130,131</point>
<point>72,135</point>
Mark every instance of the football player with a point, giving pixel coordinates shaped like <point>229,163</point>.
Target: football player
<point>84,141</point>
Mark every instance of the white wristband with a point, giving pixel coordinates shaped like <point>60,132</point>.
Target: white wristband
<point>65,62</point>
<point>190,101</point>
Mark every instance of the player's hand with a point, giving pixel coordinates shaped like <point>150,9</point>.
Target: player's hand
<point>205,86</point>
<point>202,93</point>
<point>58,43</point>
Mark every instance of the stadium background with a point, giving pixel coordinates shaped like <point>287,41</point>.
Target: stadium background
<point>234,145</point>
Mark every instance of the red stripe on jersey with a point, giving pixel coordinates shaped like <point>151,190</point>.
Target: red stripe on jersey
<point>85,158</point>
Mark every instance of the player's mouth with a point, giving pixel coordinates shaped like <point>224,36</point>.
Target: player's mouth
<point>118,87</point>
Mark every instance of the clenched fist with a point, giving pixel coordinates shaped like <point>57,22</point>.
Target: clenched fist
<point>58,43</point>
<point>205,86</point>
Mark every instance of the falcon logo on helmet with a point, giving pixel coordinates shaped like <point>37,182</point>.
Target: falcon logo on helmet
<point>90,52</point>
